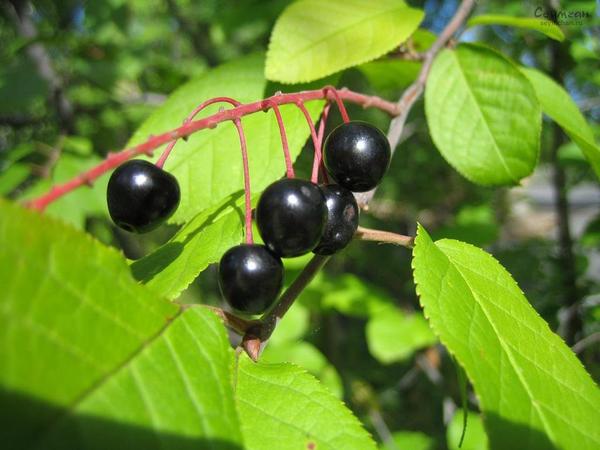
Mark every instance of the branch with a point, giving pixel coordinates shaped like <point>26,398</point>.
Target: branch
<point>256,333</point>
<point>256,337</point>
<point>147,148</point>
<point>384,237</point>
<point>237,324</point>
<point>414,91</point>
<point>20,121</point>
<point>586,342</point>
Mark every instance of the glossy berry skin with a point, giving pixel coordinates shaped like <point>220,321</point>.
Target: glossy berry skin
<point>141,196</point>
<point>342,219</point>
<point>290,216</point>
<point>357,155</point>
<point>250,278</point>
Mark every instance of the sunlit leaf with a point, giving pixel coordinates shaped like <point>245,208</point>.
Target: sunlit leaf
<point>312,39</point>
<point>533,391</point>
<point>483,115</point>
<point>560,107</point>
<point>283,407</point>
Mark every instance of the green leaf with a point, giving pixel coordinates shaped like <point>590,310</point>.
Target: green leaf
<point>560,107</point>
<point>388,76</point>
<point>410,440</point>
<point>350,295</point>
<point>12,177</point>
<point>483,115</point>
<point>178,388</point>
<point>312,39</point>
<point>22,89</point>
<point>286,345</point>
<point>533,391</point>
<point>91,359</point>
<point>545,26</point>
<point>69,313</point>
<point>202,241</point>
<point>82,202</point>
<point>475,437</point>
<point>475,224</point>
<point>293,328</point>
<point>306,356</point>
<point>283,407</point>
<point>394,336</point>
<point>209,165</point>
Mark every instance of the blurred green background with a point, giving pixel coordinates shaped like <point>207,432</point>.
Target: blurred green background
<point>77,78</point>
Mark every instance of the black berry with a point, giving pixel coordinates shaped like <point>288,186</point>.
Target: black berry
<point>291,216</point>
<point>342,219</point>
<point>357,155</point>
<point>141,196</point>
<point>250,277</point>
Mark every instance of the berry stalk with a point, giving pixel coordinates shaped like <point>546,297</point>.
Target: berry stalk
<point>313,133</point>
<point>154,142</point>
<point>247,196</point>
<point>289,167</point>
<point>339,102</point>
<point>321,136</point>
<point>163,158</point>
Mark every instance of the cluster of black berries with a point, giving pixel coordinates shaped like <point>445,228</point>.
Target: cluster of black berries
<point>297,216</point>
<point>293,216</point>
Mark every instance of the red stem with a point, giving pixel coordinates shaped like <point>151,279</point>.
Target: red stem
<point>284,142</point>
<point>317,158</point>
<point>320,137</point>
<point>338,100</point>
<point>247,196</point>
<point>163,158</point>
<point>116,159</point>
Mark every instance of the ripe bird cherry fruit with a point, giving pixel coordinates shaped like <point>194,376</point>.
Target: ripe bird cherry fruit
<point>250,278</point>
<point>141,196</point>
<point>342,219</point>
<point>290,216</point>
<point>357,155</point>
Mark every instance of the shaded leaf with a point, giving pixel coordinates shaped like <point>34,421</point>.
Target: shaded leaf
<point>12,177</point>
<point>410,440</point>
<point>544,26</point>
<point>388,76</point>
<point>394,336</point>
<point>350,295</point>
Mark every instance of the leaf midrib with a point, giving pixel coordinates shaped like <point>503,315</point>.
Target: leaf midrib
<point>483,117</point>
<point>71,407</point>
